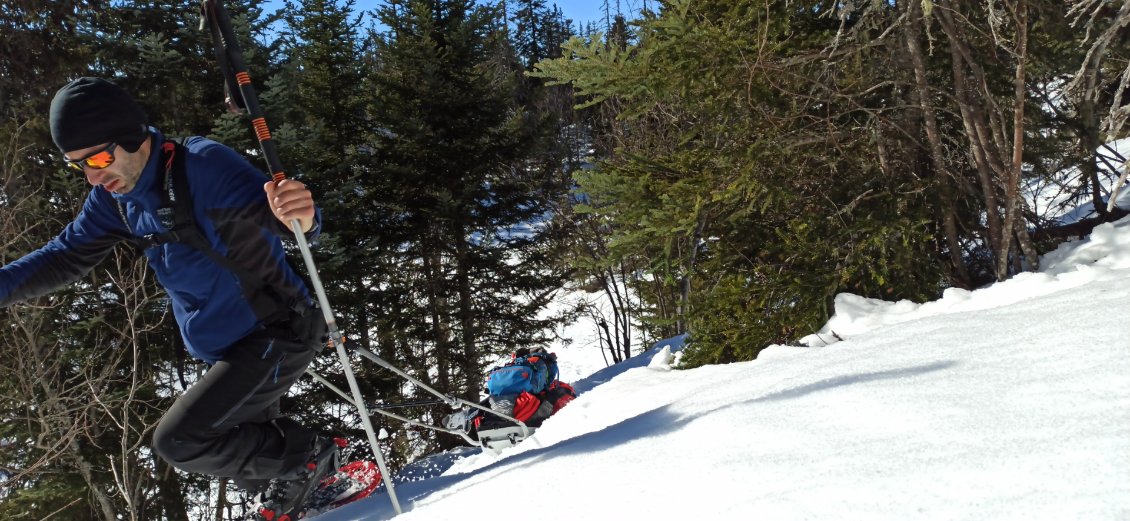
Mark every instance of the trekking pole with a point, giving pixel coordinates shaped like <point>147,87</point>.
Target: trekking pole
<point>235,74</point>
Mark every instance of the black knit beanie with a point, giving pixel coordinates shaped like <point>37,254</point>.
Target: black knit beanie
<point>91,111</point>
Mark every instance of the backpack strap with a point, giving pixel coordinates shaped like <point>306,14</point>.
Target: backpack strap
<point>176,215</point>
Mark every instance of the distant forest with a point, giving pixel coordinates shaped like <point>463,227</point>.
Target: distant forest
<point>720,168</point>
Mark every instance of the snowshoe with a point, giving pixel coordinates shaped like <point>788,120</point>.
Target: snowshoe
<point>353,481</point>
<point>284,497</point>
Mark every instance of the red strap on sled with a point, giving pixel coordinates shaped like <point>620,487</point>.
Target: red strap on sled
<point>525,406</point>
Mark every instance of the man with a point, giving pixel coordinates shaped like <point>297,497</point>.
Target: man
<point>240,307</point>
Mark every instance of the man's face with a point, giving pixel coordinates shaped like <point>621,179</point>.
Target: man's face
<point>121,175</point>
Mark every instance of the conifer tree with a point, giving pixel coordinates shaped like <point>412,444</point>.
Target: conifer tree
<point>529,30</point>
<point>539,31</point>
<point>828,154</point>
<point>744,238</point>
<point>69,360</point>
<point>318,98</point>
<point>454,153</point>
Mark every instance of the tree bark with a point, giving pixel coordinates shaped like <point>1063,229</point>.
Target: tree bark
<point>1013,224</point>
<point>970,111</point>
<point>689,266</point>
<point>170,494</point>
<point>470,366</point>
<point>944,176</point>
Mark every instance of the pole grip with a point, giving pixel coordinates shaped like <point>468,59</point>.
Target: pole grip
<point>230,56</point>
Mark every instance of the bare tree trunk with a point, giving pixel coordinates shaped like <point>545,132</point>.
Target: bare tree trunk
<point>1089,141</point>
<point>618,338</point>
<point>101,498</point>
<point>969,111</point>
<point>433,267</point>
<point>1089,12</point>
<point>624,316</point>
<point>688,267</point>
<point>663,304</point>
<point>1086,87</point>
<point>985,129</point>
<point>470,356</point>
<point>221,499</point>
<point>933,138</point>
<point>1012,224</point>
<point>171,497</point>
<point>608,285</point>
<point>606,335</point>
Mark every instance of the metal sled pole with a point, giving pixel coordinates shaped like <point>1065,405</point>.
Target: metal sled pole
<point>394,416</point>
<point>447,399</point>
<point>359,402</point>
<point>235,73</point>
<point>451,400</point>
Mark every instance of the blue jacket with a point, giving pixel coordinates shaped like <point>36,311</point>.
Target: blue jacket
<point>231,210</point>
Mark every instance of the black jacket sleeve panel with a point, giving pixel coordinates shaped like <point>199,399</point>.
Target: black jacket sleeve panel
<point>231,208</point>
<point>237,185</point>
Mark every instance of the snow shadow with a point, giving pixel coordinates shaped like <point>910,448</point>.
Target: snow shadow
<point>655,422</point>
<point>378,506</point>
<point>663,420</point>
<point>851,379</point>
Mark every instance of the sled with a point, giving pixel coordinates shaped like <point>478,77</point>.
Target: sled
<point>503,437</point>
<point>522,431</point>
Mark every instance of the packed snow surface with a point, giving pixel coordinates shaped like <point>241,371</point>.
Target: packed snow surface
<point>1010,402</point>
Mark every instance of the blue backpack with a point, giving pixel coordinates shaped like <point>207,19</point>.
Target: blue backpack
<point>530,373</point>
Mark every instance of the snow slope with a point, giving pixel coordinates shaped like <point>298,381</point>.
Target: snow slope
<point>1010,402</point>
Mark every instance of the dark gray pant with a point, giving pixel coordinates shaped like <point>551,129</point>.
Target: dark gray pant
<point>228,424</point>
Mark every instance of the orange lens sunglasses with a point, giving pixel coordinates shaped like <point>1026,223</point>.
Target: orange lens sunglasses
<point>97,161</point>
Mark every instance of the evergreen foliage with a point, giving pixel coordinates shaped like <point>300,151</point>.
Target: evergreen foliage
<point>88,370</point>
<point>77,394</point>
<point>456,161</point>
<point>317,100</point>
<point>756,159</point>
<point>750,161</point>
<point>539,30</point>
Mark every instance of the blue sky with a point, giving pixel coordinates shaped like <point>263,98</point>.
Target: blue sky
<point>579,11</point>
